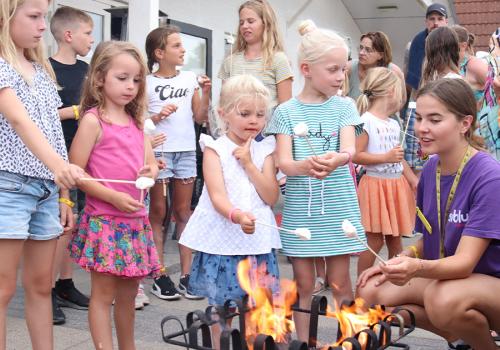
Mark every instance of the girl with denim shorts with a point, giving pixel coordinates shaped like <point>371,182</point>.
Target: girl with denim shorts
<point>174,102</point>
<point>33,166</point>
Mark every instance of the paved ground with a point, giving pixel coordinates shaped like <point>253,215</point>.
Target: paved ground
<point>75,335</point>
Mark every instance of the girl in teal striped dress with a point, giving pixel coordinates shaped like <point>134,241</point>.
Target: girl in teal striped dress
<point>320,192</point>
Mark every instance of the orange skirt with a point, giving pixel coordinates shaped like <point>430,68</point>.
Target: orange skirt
<point>387,205</point>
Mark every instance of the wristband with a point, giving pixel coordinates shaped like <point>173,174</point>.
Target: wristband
<point>350,156</point>
<point>414,250</point>
<point>76,112</point>
<point>231,212</point>
<point>66,201</point>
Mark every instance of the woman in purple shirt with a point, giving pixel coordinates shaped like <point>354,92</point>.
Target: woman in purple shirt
<point>451,278</point>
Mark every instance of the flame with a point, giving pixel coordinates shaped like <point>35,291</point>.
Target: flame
<point>354,318</point>
<point>268,314</point>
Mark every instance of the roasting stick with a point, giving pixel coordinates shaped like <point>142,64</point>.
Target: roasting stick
<point>303,233</point>
<point>107,180</point>
<point>350,231</point>
<point>411,105</point>
<point>302,130</point>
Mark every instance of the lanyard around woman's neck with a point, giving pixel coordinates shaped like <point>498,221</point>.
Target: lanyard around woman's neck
<point>451,195</point>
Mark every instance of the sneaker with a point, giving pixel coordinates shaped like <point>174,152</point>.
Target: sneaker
<point>69,296</point>
<point>458,345</point>
<point>138,303</point>
<point>164,288</point>
<point>58,316</point>
<point>184,286</point>
<point>141,296</point>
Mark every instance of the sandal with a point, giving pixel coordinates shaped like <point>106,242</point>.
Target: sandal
<point>319,286</point>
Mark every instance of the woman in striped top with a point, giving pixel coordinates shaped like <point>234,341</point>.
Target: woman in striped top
<point>320,189</point>
<point>259,51</point>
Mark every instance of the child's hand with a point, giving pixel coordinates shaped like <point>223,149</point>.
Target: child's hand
<point>395,155</point>
<point>161,164</point>
<point>66,217</point>
<point>158,140</point>
<point>242,154</point>
<point>148,171</point>
<point>124,202</point>
<point>205,83</point>
<point>246,221</point>
<point>67,176</point>
<point>324,165</point>
<point>164,113</point>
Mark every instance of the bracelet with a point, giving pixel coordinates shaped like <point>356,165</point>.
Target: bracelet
<point>76,112</point>
<point>66,201</point>
<point>414,250</point>
<point>231,212</point>
<point>350,156</point>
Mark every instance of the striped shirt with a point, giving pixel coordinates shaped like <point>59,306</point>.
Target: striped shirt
<point>279,70</point>
<point>319,205</point>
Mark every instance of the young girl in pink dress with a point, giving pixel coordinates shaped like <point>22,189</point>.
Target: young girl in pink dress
<point>114,240</point>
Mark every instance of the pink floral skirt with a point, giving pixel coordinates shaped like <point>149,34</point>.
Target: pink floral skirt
<point>118,246</point>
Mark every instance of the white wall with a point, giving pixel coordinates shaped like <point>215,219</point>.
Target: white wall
<point>222,16</point>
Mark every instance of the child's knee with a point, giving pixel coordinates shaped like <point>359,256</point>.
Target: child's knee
<point>7,291</point>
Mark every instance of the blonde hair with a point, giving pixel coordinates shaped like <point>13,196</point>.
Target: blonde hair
<point>65,18</point>
<point>379,82</point>
<point>92,94</point>
<point>317,42</point>
<point>234,90</point>
<point>8,50</point>
<point>272,41</point>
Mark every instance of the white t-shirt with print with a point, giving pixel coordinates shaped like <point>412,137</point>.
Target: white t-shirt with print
<point>179,126</point>
<point>383,135</point>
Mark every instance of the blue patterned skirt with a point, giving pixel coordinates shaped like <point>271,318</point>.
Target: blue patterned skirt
<point>214,276</point>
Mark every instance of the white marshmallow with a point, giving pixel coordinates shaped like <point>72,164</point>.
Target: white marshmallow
<point>303,233</point>
<point>143,183</point>
<point>349,229</point>
<point>149,127</point>
<point>301,130</point>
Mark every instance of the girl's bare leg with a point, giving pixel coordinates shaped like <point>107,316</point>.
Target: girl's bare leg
<point>304,275</point>
<point>124,312</point>
<point>157,212</point>
<point>38,257</point>
<point>183,191</point>
<point>10,255</point>
<point>337,272</point>
<point>103,292</point>
<point>394,245</point>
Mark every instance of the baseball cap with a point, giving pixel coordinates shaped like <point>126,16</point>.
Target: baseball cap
<point>441,9</point>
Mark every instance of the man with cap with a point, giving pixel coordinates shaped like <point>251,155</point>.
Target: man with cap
<point>435,16</point>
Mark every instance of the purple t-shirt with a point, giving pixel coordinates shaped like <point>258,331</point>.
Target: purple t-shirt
<point>475,210</point>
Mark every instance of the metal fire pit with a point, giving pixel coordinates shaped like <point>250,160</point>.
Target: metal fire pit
<point>195,334</point>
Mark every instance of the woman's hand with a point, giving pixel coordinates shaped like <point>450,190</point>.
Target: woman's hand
<point>400,270</point>
<point>246,221</point>
<point>242,154</point>
<point>157,139</point>
<point>323,165</point>
<point>369,273</point>
<point>124,202</point>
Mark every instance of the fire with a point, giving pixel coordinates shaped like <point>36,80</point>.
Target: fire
<point>269,314</point>
<point>356,317</point>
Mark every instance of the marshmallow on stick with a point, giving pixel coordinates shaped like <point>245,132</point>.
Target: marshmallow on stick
<point>302,130</point>
<point>142,183</point>
<point>351,232</point>
<point>302,233</point>
<point>149,127</point>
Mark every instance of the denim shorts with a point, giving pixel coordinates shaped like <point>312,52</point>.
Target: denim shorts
<point>29,208</point>
<point>180,165</point>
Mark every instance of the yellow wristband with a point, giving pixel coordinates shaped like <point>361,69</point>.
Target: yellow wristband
<point>414,250</point>
<point>76,112</point>
<point>67,202</point>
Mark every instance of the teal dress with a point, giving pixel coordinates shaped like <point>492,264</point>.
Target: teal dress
<point>487,114</point>
<point>319,205</point>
